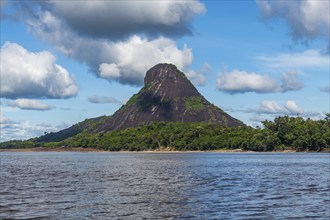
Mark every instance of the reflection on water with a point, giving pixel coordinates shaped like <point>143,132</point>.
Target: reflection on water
<point>70,185</point>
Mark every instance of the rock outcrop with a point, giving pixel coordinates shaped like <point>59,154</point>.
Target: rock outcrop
<point>167,96</point>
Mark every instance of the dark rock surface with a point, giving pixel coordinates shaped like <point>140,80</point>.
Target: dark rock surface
<point>167,96</point>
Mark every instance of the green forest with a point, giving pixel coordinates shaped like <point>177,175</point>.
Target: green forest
<point>284,133</point>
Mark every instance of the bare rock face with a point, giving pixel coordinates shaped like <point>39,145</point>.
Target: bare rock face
<point>166,96</point>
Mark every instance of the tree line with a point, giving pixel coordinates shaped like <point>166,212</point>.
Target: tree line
<point>283,133</point>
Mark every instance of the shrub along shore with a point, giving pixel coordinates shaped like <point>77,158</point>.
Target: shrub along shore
<point>283,134</point>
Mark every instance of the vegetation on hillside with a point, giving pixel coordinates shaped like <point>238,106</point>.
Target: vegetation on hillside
<point>178,72</point>
<point>194,103</point>
<point>284,133</point>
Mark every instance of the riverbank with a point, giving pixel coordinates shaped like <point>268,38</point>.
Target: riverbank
<point>64,149</point>
<point>60,149</point>
<point>40,149</point>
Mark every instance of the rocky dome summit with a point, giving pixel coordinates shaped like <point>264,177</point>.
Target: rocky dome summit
<point>170,82</point>
<point>167,96</point>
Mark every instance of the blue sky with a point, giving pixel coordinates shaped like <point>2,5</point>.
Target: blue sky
<point>65,61</point>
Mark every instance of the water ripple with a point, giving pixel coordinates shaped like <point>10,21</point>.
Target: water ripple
<point>52,185</point>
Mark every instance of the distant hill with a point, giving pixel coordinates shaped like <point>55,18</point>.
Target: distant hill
<point>167,96</point>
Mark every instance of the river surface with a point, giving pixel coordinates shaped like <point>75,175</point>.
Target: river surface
<point>79,185</point>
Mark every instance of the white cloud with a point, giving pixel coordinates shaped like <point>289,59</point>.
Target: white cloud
<point>29,104</point>
<point>136,55</point>
<point>109,71</point>
<point>103,99</point>
<point>307,19</point>
<point>270,107</point>
<point>307,59</point>
<point>293,108</point>
<point>290,107</point>
<point>24,129</point>
<point>238,81</point>
<point>26,74</point>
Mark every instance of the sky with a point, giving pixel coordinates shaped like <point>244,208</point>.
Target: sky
<point>65,61</point>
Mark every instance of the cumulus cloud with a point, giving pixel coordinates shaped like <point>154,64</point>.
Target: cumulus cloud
<point>307,19</point>
<point>135,56</point>
<point>103,99</point>
<point>293,108</point>
<point>118,40</point>
<point>124,61</point>
<point>290,107</point>
<point>120,19</point>
<point>26,74</point>
<point>29,104</point>
<point>268,107</point>
<point>109,71</point>
<point>238,81</point>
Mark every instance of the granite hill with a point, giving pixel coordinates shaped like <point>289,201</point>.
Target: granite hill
<point>167,96</point>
